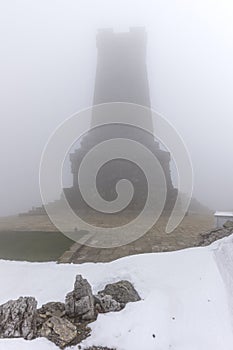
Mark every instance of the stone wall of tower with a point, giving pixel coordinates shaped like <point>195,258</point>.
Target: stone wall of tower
<point>121,76</point>
<point>121,73</point>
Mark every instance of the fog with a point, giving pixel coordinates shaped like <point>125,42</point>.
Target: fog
<point>47,69</point>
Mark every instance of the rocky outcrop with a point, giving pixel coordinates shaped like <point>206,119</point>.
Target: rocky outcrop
<point>52,324</point>
<point>18,318</point>
<point>59,330</point>
<point>49,310</point>
<point>123,292</point>
<point>209,237</point>
<point>80,302</point>
<point>105,303</point>
<point>65,324</point>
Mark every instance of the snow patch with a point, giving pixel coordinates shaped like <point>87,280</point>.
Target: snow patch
<point>184,306</point>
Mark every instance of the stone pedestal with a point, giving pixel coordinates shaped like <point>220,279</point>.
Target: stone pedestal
<point>117,169</point>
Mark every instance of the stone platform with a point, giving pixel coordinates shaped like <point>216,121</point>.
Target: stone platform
<point>188,234</point>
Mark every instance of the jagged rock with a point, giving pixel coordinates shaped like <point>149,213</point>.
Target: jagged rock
<point>106,303</point>
<point>228,224</point>
<point>80,302</point>
<point>52,309</point>
<point>48,310</point>
<point>123,292</point>
<point>64,324</point>
<point>59,330</point>
<point>209,237</point>
<point>18,318</point>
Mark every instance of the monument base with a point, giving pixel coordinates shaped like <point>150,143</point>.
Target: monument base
<point>117,169</point>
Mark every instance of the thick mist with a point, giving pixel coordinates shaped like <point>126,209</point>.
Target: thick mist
<point>47,69</point>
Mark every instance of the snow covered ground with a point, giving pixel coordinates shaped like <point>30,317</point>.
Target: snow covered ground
<point>186,298</point>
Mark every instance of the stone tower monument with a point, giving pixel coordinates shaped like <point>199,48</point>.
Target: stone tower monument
<point>121,76</point>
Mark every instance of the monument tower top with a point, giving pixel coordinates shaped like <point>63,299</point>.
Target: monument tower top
<point>121,74</point>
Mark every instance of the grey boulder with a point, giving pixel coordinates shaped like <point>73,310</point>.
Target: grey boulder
<point>18,318</point>
<point>123,292</point>
<point>105,303</point>
<point>48,310</point>
<point>59,330</point>
<point>80,302</point>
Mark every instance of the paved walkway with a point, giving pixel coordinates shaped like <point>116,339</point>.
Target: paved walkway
<point>156,240</point>
<point>188,234</point>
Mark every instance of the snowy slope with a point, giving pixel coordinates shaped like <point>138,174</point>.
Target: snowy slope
<point>186,301</point>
